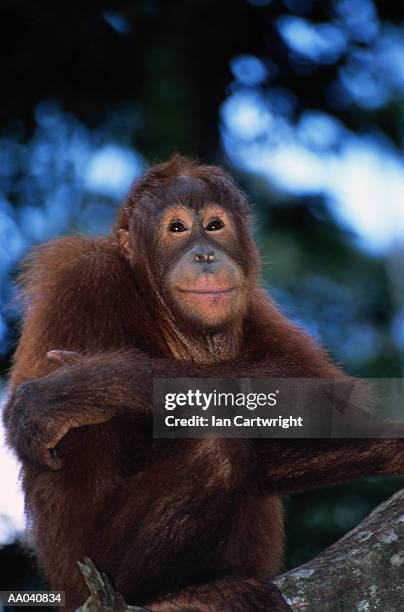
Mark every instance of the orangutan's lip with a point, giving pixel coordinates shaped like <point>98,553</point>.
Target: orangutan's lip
<point>207,291</point>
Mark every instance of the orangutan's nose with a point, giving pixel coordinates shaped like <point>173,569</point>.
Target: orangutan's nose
<point>205,257</point>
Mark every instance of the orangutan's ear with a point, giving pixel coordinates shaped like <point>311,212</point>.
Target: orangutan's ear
<point>123,239</point>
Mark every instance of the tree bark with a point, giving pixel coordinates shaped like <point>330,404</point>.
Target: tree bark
<point>361,572</point>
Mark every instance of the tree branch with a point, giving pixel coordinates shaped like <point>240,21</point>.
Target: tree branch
<point>362,571</point>
<point>103,595</point>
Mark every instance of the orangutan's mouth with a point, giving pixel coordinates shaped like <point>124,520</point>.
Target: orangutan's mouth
<point>208,291</point>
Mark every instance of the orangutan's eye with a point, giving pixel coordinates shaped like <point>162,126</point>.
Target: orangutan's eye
<point>214,225</point>
<point>177,226</point>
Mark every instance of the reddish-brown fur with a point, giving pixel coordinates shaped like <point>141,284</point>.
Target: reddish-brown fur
<point>184,524</point>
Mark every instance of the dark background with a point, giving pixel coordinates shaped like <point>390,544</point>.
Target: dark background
<point>301,100</point>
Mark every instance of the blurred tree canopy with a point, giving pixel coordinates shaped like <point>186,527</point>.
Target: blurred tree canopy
<point>122,84</point>
<point>171,61</point>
